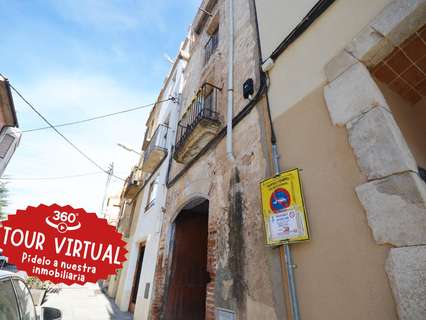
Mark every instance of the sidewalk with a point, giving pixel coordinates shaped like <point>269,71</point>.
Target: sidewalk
<point>85,303</point>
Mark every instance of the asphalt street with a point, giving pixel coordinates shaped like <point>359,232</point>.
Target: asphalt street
<point>86,302</point>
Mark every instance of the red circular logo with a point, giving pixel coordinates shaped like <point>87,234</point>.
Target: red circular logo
<point>58,244</point>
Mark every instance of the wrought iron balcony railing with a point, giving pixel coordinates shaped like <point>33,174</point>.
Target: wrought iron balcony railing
<point>201,116</point>
<point>211,46</point>
<point>156,150</point>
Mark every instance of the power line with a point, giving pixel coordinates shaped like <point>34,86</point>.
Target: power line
<point>59,133</point>
<point>51,178</point>
<point>98,117</point>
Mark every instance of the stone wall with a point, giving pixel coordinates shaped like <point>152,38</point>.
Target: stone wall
<point>242,269</point>
<point>394,198</point>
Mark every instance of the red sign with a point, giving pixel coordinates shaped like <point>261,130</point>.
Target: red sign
<point>62,244</point>
<point>280,200</point>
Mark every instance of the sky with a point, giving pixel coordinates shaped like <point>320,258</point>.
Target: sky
<point>74,59</point>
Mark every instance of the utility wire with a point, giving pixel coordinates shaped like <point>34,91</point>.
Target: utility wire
<point>59,133</point>
<point>97,117</point>
<point>51,178</point>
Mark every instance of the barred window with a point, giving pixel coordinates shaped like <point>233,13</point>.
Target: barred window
<point>211,45</point>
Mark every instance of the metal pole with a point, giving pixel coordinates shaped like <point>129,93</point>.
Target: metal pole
<point>287,251</point>
<point>110,173</point>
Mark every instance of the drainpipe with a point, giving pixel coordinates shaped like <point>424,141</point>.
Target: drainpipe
<point>230,89</point>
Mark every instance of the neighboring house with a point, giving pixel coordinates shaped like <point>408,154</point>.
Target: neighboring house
<point>112,215</point>
<point>10,135</point>
<point>347,97</point>
<point>144,196</point>
<point>112,211</point>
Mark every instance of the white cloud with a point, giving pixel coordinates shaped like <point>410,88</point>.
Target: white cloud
<point>98,13</point>
<point>114,14</point>
<point>68,97</point>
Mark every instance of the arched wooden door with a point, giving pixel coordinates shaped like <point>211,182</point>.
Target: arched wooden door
<point>189,277</point>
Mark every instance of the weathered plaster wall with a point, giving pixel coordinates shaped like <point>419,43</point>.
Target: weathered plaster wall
<point>245,274</point>
<point>239,262</point>
<point>411,120</point>
<point>215,71</point>
<point>340,272</point>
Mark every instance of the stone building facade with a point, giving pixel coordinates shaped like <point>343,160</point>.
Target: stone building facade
<point>344,89</point>
<point>212,258</point>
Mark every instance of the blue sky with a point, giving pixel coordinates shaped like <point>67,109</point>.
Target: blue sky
<point>80,58</point>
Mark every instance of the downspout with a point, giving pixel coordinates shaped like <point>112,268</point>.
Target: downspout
<point>230,89</point>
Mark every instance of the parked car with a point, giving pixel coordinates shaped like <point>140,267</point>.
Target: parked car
<point>3,259</point>
<point>16,302</point>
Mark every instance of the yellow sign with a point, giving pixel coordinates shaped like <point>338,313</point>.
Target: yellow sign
<point>283,209</point>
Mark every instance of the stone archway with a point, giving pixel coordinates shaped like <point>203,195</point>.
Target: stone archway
<point>394,197</point>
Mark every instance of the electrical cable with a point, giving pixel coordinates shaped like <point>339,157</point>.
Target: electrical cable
<point>98,117</point>
<point>50,178</point>
<point>59,133</point>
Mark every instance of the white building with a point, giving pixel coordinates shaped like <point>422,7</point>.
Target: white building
<point>143,198</point>
<point>10,135</point>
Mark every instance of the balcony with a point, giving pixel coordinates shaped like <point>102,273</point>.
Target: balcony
<point>211,46</point>
<point>198,125</point>
<point>133,183</point>
<point>156,150</point>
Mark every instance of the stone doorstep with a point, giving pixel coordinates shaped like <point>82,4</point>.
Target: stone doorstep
<point>379,145</point>
<point>396,209</point>
<point>406,269</point>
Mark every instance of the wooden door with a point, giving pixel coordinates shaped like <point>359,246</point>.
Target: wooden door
<point>136,279</point>
<point>189,277</point>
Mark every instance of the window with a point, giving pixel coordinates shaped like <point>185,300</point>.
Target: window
<point>211,45</point>
<point>5,145</point>
<point>152,193</point>
<point>208,101</point>
<point>8,305</point>
<point>422,173</point>
<point>26,304</point>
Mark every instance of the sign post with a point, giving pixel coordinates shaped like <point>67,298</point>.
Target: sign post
<point>285,218</point>
<point>283,209</point>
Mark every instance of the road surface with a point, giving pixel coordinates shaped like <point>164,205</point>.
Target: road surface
<point>84,302</point>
